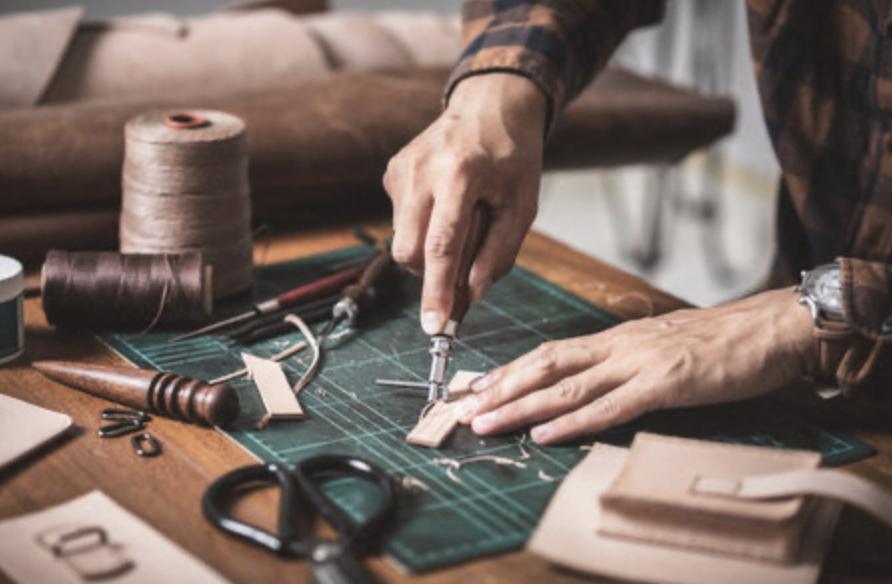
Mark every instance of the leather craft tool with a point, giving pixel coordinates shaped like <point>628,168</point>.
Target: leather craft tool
<point>359,297</point>
<point>294,297</point>
<point>273,325</point>
<point>443,344</point>
<point>166,394</point>
<point>332,561</point>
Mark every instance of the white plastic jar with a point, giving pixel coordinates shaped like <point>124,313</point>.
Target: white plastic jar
<point>12,329</point>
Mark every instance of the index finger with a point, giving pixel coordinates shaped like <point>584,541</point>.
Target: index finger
<point>446,237</point>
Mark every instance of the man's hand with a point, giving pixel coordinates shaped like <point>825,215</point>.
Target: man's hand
<point>586,385</point>
<point>487,146</point>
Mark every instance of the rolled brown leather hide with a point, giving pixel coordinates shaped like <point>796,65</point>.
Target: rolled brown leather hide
<point>331,139</point>
<point>321,141</point>
<point>28,236</point>
<point>221,54</point>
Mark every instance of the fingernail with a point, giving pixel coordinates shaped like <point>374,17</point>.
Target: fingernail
<point>485,422</point>
<point>467,407</point>
<point>431,322</point>
<point>481,383</point>
<point>542,433</point>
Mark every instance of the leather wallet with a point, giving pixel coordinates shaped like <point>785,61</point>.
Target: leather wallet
<point>653,499</point>
<point>674,510</point>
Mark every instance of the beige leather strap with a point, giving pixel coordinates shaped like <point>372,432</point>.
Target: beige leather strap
<point>831,343</point>
<point>832,484</point>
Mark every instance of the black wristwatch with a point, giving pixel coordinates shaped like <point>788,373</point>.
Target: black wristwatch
<point>821,291</point>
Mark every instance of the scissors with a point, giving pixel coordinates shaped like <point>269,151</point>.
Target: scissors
<point>332,561</point>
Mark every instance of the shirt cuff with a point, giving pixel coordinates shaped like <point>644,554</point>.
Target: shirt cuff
<point>865,369</point>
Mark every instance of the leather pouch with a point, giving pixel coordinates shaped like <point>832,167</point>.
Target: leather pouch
<point>655,498</point>
<point>673,510</point>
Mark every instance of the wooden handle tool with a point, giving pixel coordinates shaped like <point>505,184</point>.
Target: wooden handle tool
<point>165,394</point>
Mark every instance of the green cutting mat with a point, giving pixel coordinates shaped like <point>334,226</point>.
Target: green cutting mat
<point>494,508</point>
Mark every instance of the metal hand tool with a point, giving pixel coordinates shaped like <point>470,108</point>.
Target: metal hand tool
<point>332,561</point>
<point>359,297</point>
<point>443,344</point>
<point>273,325</point>
<point>299,295</point>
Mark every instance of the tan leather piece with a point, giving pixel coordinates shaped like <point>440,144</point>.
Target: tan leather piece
<point>653,500</point>
<point>280,402</point>
<point>431,37</point>
<point>442,417</point>
<point>358,42</point>
<point>254,48</point>
<point>25,427</point>
<point>296,7</point>
<point>221,54</point>
<point>831,343</point>
<point>32,45</point>
<point>148,557</point>
<point>843,487</point>
<point>662,469</point>
<point>568,535</point>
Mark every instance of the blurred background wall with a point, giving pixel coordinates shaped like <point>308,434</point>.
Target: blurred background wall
<point>702,230</point>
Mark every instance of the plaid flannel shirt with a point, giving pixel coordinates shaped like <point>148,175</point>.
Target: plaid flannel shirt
<point>824,71</point>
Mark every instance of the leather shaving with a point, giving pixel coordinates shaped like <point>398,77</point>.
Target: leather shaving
<point>453,465</point>
<point>311,340</point>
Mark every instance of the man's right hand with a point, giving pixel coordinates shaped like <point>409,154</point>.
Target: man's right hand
<point>486,146</point>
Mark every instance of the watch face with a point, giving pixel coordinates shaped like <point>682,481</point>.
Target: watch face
<point>824,286</point>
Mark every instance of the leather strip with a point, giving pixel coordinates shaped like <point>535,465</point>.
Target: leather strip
<point>832,484</point>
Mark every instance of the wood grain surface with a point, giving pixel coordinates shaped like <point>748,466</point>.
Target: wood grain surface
<point>166,491</point>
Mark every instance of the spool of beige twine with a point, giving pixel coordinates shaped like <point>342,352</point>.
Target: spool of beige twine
<point>185,189</point>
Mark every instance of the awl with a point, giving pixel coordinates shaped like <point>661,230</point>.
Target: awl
<point>323,287</point>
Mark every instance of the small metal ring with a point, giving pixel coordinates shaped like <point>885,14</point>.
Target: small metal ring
<point>145,438</point>
<point>185,121</point>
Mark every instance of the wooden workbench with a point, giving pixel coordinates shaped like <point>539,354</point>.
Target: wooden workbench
<point>166,491</point>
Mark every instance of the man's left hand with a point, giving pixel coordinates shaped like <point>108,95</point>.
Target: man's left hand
<point>586,385</point>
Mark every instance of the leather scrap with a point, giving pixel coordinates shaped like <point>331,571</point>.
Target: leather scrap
<point>132,549</point>
<point>32,45</point>
<point>25,427</point>
<point>442,418</point>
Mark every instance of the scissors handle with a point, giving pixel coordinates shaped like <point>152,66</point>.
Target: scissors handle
<point>219,495</point>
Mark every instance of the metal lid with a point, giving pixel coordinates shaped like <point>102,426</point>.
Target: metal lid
<point>11,280</point>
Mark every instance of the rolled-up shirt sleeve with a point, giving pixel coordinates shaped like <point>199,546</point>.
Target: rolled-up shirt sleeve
<point>558,44</point>
<point>864,370</point>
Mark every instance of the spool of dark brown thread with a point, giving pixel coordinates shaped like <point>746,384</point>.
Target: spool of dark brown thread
<point>185,189</point>
<point>108,289</point>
